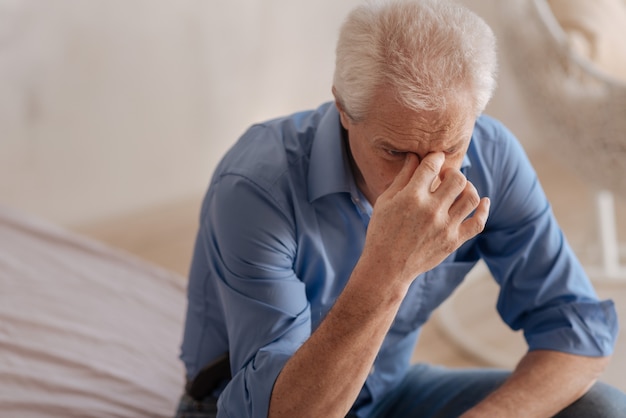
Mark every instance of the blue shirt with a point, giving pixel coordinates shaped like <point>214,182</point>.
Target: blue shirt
<point>283,224</point>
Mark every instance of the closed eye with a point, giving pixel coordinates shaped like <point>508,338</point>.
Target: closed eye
<point>395,153</point>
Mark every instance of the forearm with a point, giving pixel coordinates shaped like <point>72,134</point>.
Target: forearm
<point>543,383</point>
<point>325,375</point>
<point>412,229</point>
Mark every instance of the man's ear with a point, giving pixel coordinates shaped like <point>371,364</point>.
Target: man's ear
<point>345,120</point>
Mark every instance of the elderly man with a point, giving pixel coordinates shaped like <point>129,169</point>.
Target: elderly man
<point>328,237</point>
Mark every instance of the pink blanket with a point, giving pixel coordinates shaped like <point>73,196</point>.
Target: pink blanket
<point>85,330</point>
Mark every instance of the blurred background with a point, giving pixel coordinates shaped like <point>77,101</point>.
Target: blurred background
<point>114,113</point>
<point>111,106</point>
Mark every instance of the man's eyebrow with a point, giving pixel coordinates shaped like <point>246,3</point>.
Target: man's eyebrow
<point>457,144</point>
<point>387,144</point>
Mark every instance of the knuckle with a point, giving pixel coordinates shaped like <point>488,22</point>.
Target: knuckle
<point>478,227</point>
<point>476,224</point>
<point>450,246</point>
<point>456,179</point>
<point>430,164</point>
<point>459,179</point>
<point>473,199</point>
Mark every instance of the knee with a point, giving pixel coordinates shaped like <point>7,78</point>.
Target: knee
<point>601,401</point>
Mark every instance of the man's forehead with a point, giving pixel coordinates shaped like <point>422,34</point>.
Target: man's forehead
<point>438,132</point>
<point>394,116</point>
<point>430,143</point>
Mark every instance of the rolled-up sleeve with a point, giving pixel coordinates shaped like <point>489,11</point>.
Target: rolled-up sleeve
<point>250,241</point>
<point>544,290</point>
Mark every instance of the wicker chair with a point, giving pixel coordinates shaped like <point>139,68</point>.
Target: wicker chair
<point>578,106</point>
<point>580,112</point>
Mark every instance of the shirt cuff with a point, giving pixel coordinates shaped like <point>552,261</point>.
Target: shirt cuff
<point>586,328</point>
<point>248,393</point>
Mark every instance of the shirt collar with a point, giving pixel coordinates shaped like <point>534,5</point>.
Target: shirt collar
<point>329,166</point>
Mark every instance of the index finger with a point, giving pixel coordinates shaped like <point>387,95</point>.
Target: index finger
<point>427,171</point>
<point>405,174</point>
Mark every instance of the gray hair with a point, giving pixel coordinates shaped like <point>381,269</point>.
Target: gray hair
<point>426,51</point>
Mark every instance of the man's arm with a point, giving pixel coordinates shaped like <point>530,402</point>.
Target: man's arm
<point>411,231</point>
<point>543,383</point>
<point>325,375</point>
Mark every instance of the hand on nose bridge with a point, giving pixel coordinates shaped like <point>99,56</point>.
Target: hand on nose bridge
<point>423,222</point>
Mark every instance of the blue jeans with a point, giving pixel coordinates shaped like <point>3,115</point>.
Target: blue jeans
<point>438,392</point>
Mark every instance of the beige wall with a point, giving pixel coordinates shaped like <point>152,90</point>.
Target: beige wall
<point>111,106</point>
<point>103,105</point>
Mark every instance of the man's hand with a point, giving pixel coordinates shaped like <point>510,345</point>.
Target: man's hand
<point>415,225</point>
<point>422,217</point>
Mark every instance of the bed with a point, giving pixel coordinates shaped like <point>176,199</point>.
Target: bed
<point>85,330</point>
